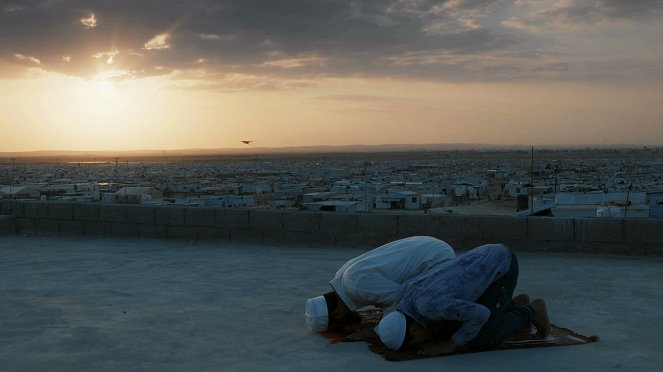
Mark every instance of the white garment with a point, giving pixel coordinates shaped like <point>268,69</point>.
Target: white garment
<point>375,277</point>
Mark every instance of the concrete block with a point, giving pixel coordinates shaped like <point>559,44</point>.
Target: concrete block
<point>18,208</point>
<point>86,212</point>
<point>550,229</point>
<point>119,229</point>
<point>450,227</point>
<point>152,231</point>
<point>200,216</point>
<point>364,240</point>
<point>70,227</point>
<point>377,224</point>
<point>301,221</point>
<point>182,232</point>
<point>61,211</point>
<point>641,231</point>
<point>499,229</point>
<point>466,232</point>
<point>245,235</point>
<point>228,218</point>
<point>47,226</point>
<point>273,236</point>
<point>36,209</point>
<point>338,222</point>
<point>171,216</point>
<point>96,228</point>
<point>653,249</point>
<point>26,225</point>
<point>300,238</point>
<point>544,246</point>
<point>607,247</point>
<point>419,224</point>
<point>112,213</point>
<point>266,220</point>
<point>7,224</point>
<point>599,230</point>
<point>140,214</point>
<point>6,206</point>
<point>213,233</point>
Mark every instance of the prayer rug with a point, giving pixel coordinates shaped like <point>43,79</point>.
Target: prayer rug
<point>370,318</point>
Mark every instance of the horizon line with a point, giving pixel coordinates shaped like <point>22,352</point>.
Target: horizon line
<point>395,147</point>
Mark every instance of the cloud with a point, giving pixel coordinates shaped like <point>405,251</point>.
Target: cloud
<point>351,97</point>
<point>278,60</point>
<point>582,13</point>
<point>90,21</point>
<point>24,58</point>
<point>13,8</point>
<point>200,80</point>
<point>210,37</point>
<point>157,42</point>
<point>107,56</point>
<point>453,40</point>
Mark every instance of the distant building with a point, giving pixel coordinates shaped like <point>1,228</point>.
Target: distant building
<point>434,201</point>
<point>516,189</point>
<point>257,188</point>
<point>398,200</point>
<point>19,192</point>
<point>285,201</point>
<point>655,200</point>
<point>464,192</point>
<point>58,189</point>
<point>314,197</point>
<point>335,206</point>
<point>606,205</point>
<point>238,201</point>
<point>136,195</point>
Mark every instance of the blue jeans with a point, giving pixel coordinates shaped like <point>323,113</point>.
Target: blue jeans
<point>505,319</point>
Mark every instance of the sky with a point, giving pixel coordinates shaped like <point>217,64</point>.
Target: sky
<point>175,74</point>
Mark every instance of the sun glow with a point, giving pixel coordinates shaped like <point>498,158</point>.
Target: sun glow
<point>105,85</point>
<point>98,113</point>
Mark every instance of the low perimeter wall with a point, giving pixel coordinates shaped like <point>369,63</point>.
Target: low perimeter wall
<point>587,235</point>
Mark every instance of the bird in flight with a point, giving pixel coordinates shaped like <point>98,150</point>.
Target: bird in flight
<point>247,142</point>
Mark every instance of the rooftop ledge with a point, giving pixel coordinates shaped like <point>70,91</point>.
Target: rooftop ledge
<point>622,236</point>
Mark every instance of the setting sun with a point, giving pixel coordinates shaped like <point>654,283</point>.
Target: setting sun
<point>104,85</point>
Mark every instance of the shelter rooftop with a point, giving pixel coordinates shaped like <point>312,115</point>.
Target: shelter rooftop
<point>106,304</point>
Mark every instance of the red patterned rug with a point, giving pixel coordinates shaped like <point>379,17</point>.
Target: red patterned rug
<point>525,339</point>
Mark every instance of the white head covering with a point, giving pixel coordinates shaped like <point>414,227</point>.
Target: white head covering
<point>317,317</point>
<point>391,330</point>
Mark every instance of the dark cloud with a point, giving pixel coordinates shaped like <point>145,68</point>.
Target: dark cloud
<point>583,13</point>
<point>439,40</point>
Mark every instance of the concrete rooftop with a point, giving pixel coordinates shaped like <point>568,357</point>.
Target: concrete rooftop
<point>123,305</point>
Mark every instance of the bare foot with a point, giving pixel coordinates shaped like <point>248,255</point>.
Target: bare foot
<point>520,300</point>
<point>540,319</point>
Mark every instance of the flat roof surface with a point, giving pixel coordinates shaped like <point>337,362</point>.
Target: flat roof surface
<point>103,304</point>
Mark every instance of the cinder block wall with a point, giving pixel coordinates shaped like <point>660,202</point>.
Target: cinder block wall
<point>367,230</point>
<point>7,224</point>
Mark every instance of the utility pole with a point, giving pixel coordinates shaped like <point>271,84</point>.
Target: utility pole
<point>531,183</point>
<point>116,169</point>
<point>630,187</point>
<point>11,183</point>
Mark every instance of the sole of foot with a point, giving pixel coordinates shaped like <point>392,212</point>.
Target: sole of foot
<point>540,319</point>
